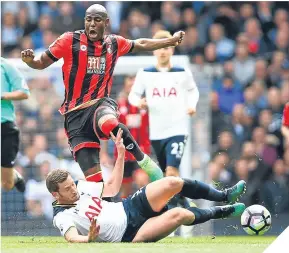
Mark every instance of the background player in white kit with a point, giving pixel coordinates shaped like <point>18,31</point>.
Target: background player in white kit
<point>171,95</point>
<point>82,216</point>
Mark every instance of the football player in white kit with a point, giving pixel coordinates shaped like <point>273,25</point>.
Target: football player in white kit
<point>82,216</point>
<point>171,96</point>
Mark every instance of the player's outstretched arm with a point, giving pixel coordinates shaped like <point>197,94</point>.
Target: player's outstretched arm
<point>112,186</point>
<point>141,45</point>
<point>72,235</point>
<point>43,62</point>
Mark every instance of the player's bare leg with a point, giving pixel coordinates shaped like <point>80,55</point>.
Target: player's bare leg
<point>161,226</point>
<point>10,178</point>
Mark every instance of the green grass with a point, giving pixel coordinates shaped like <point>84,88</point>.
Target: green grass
<point>220,244</point>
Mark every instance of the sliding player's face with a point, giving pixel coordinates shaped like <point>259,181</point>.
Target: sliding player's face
<point>67,191</point>
<point>95,26</point>
<point>164,55</point>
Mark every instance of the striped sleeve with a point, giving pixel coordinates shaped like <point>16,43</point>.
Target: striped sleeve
<point>59,47</point>
<point>125,46</point>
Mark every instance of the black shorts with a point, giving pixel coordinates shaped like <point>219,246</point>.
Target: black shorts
<point>9,144</point>
<point>138,211</point>
<point>169,151</point>
<point>80,126</point>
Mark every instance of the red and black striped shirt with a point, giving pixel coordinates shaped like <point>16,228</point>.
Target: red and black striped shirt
<point>88,66</point>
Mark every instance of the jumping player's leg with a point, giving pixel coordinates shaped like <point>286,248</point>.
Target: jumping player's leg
<point>88,160</point>
<point>105,121</point>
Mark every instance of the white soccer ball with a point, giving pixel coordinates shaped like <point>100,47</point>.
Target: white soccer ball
<point>256,220</point>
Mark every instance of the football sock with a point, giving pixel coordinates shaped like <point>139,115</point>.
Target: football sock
<point>144,161</point>
<point>194,189</point>
<point>130,144</point>
<point>201,215</point>
<point>151,168</point>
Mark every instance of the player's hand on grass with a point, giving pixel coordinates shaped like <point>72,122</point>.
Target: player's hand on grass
<point>143,104</point>
<point>93,231</point>
<point>118,140</point>
<point>27,55</point>
<point>191,111</point>
<point>178,37</point>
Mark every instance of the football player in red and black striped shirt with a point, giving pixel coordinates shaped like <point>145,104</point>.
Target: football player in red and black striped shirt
<point>89,60</point>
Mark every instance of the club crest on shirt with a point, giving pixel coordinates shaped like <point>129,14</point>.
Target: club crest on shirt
<point>109,48</point>
<point>96,65</point>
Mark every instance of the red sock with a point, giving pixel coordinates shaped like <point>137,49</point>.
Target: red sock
<point>96,177</point>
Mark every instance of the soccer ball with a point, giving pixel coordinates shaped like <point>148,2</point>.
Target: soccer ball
<point>256,220</point>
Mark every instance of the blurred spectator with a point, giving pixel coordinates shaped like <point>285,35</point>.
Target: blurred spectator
<point>275,191</point>
<point>266,152</point>
<point>261,72</point>
<point>189,18</point>
<point>257,43</point>
<point>170,16</point>
<point>190,45</point>
<point>67,18</point>
<point>282,40</point>
<point>38,199</point>
<point>138,24</point>
<point>10,33</point>
<point>244,65</point>
<point>227,144</point>
<point>114,9</point>
<point>219,119</point>
<point>240,131</point>
<point>224,46</point>
<point>210,53</point>
<point>274,70</point>
<point>251,102</point>
<point>264,14</point>
<point>43,25</point>
<point>48,39</point>
<point>229,95</point>
<point>24,23</point>
<point>274,100</point>
<point>280,17</point>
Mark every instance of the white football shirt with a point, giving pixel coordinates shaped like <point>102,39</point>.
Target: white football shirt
<point>169,94</point>
<point>110,216</point>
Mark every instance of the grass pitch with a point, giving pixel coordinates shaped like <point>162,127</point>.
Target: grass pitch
<point>229,244</point>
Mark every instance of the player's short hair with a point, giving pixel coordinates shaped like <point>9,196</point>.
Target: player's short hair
<point>54,178</point>
<point>162,34</point>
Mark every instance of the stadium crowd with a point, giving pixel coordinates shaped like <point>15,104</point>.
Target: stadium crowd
<point>240,49</point>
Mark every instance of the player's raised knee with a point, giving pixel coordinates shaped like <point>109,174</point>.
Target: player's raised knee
<point>174,183</point>
<point>107,123</point>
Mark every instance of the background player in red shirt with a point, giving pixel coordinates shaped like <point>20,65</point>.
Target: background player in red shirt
<point>138,124</point>
<point>285,123</point>
<point>89,60</point>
